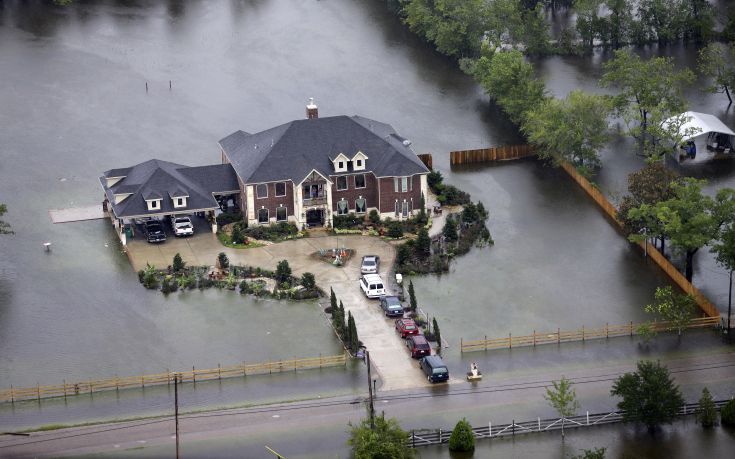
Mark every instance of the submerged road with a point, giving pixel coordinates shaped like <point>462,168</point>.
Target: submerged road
<point>318,428</point>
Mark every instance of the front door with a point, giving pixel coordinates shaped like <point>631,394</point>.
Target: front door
<point>315,217</point>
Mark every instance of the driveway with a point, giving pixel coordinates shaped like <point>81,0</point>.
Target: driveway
<point>395,367</point>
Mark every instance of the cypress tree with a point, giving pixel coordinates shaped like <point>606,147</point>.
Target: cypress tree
<point>333,303</point>
<point>341,325</point>
<point>438,335</point>
<point>412,296</point>
<point>352,332</point>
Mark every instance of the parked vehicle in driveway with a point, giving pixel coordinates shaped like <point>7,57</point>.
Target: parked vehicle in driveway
<point>418,346</point>
<point>182,225</point>
<point>372,285</point>
<point>392,306</point>
<point>406,327</point>
<point>370,264</point>
<point>154,231</point>
<point>434,368</point>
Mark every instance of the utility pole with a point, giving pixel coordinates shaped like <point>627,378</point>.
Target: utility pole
<point>370,391</point>
<point>176,410</point>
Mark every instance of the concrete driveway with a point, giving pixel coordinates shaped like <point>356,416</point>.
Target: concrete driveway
<point>389,355</point>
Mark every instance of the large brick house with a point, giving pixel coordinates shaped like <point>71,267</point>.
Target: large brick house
<point>307,171</point>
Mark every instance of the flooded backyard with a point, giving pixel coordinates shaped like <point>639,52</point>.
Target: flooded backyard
<point>74,104</point>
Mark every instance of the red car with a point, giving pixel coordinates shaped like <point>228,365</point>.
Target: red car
<point>406,327</point>
<point>418,346</point>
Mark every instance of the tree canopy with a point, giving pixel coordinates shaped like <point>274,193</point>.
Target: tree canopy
<point>648,185</point>
<point>563,399</point>
<point>386,441</point>
<point>675,308</point>
<point>649,395</point>
<point>717,61</point>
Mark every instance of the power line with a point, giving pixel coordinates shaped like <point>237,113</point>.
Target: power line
<point>539,384</point>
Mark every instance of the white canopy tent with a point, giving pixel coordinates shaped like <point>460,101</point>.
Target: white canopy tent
<point>719,139</point>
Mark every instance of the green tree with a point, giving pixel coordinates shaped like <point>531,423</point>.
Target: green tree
<point>223,261</point>
<point>150,277</point>
<point>403,254</point>
<point>510,81</point>
<point>619,23</point>
<point>412,296</point>
<point>717,61</point>
<point>651,91</point>
<point>283,271</point>
<point>342,325</point>
<point>588,21</point>
<point>437,335</point>
<point>352,332</point>
<point>649,395</point>
<point>237,236</point>
<point>727,414</point>
<point>4,226</point>
<point>675,308</point>
<point>706,411</point>
<point>571,129</point>
<point>395,230</point>
<point>178,264</point>
<point>462,438</point>
<point>649,185</point>
<point>333,304</point>
<point>699,22</point>
<point>470,213</point>
<point>374,217</point>
<point>386,440</point>
<point>450,229</point>
<point>308,281</point>
<point>724,250</point>
<point>563,399</point>
<point>422,247</point>
<point>596,453</point>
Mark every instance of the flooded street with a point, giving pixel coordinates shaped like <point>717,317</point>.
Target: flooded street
<point>73,103</point>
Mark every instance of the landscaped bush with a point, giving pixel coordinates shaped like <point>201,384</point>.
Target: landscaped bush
<point>283,272</point>
<point>308,281</point>
<point>230,217</point>
<point>223,261</point>
<point>395,230</point>
<point>727,414</point>
<point>348,221</point>
<point>237,236</point>
<point>178,263</point>
<point>448,195</point>
<point>374,217</point>
<point>462,438</point>
<point>276,232</point>
<point>169,285</point>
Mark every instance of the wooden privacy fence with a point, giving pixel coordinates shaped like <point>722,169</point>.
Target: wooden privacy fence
<point>673,273</point>
<point>89,386</point>
<point>504,153</point>
<point>582,334</point>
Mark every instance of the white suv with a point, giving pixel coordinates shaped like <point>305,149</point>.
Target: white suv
<point>182,225</point>
<point>372,285</point>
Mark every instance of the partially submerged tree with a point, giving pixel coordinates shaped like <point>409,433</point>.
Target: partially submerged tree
<point>595,453</point>
<point>675,308</point>
<point>462,438</point>
<point>651,91</point>
<point>386,440</point>
<point>563,399</point>
<point>649,395</point>
<point>283,271</point>
<point>706,411</point>
<point>450,229</point>
<point>717,62</point>
<point>724,250</point>
<point>4,226</point>
<point>178,263</point>
<point>571,129</point>
<point>412,296</point>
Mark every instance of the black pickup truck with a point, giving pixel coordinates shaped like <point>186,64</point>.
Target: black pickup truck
<point>154,231</point>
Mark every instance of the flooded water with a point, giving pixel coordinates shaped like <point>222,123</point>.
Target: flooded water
<point>74,104</point>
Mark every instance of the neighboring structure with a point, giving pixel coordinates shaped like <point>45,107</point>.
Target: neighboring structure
<point>156,188</point>
<point>304,172</point>
<point>307,171</point>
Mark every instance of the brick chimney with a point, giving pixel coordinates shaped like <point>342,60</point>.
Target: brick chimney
<point>312,112</point>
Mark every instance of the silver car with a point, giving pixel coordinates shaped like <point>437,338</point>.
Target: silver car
<point>370,264</point>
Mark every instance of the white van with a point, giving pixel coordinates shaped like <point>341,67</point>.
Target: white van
<point>372,285</point>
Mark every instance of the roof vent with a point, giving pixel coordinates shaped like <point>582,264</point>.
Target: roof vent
<point>312,111</point>
<point>406,143</point>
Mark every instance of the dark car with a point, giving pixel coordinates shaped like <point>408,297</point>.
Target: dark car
<point>154,231</point>
<point>418,346</point>
<point>434,368</point>
<point>392,306</point>
<point>406,327</point>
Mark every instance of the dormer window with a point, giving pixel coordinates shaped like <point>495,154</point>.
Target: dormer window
<point>340,163</point>
<point>359,161</point>
<point>154,204</point>
<point>180,202</point>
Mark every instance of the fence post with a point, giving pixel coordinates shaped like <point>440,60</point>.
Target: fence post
<point>510,341</point>
<point>490,429</point>
<point>631,328</point>
<point>440,436</point>
<point>320,360</point>
<point>583,333</point>
<point>486,342</point>
<point>588,418</point>
<point>539,424</point>
<point>64,390</point>
<point>193,374</point>
<point>168,377</point>
<point>534,338</point>
<point>244,370</point>
<point>607,331</point>
<point>513,427</point>
<point>90,386</point>
<point>38,391</point>
<point>142,381</point>
<point>117,384</point>
<point>558,335</point>
<point>12,396</point>
<point>413,439</point>
<point>219,372</point>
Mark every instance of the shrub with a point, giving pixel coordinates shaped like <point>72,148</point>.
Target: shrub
<point>223,261</point>
<point>727,413</point>
<point>276,232</point>
<point>237,237</point>
<point>422,246</point>
<point>169,285</point>
<point>470,213</point>
<point>308,281</point>
<point>178,263</point>
<point>413,306</point>
<point>227,218</point>
<point>706,412</point>
<point>283,271</point>
<point>374,217</point>
<point>150,277</point>
<point>437,335</point>
<point>347,221</point>
<point>453,196</point>
<point>450,229</point>
<point>434,180</point>
<point>205,282</point>
<point>141,275</point>
<point>395,230</point>
<point>462,438</point>
<point>403,254</point>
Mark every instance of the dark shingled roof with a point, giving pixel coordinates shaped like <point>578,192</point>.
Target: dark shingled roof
<point>290,151</point>
<point>156,179</point>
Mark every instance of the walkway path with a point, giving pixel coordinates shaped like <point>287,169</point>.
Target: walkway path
<point>397,370</point>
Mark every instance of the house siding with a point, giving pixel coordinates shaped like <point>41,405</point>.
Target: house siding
<point>388,195</point>
<point>370,192</point>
